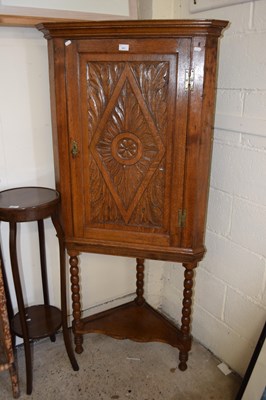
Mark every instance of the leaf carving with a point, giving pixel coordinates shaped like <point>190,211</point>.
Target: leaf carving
<point>127,185</point>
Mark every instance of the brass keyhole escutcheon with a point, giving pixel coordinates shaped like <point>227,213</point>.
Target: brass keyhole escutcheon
<point>74,149</point>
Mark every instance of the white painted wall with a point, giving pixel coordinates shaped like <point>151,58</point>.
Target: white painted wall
<point>120,7</point>
<point>230,291</point>
<point>158,9</point>
<point>26,159</point>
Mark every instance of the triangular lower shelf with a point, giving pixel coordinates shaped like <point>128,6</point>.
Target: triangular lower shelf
<point>134,322</point>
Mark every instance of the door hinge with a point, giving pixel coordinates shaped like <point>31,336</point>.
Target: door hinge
<point>189,79</point>
<point>182,215</point>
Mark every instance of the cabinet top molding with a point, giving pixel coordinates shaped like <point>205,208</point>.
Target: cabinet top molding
<point>133,28</point>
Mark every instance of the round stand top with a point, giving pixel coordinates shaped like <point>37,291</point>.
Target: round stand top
<point>27,203</point>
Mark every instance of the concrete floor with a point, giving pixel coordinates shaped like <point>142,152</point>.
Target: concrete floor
<point>114,369</point>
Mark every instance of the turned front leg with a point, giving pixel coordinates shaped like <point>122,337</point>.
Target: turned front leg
<point>140,282</point>
<point>76,306</point>
<point>186,312</point>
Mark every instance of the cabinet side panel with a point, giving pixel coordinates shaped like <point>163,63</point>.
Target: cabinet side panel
<point>178,140</point>
<point>199,139</point>
<point>56,52</point>
<point>207,124</point>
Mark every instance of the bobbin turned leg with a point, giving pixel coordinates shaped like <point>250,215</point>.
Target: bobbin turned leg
<point>76,307</point>
<point>186,312</point>
<point>140,282</point>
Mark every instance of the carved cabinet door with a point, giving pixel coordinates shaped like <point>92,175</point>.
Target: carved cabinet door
<point>127,112</point>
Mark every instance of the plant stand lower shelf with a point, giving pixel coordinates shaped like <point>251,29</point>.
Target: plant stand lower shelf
<point>42,321</point>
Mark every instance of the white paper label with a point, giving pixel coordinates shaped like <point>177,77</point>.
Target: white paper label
<point>123,47</point>
<point>224,368</point>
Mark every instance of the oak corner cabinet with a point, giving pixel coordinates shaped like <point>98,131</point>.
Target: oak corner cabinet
<point>132,111</point>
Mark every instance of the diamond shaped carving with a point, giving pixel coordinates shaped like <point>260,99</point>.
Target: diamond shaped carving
<point>126,145</point>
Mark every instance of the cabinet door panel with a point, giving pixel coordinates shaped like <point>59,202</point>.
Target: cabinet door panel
<point>122,114</point>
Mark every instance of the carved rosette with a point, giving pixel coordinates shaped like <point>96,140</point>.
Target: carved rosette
<point>127,120</point>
